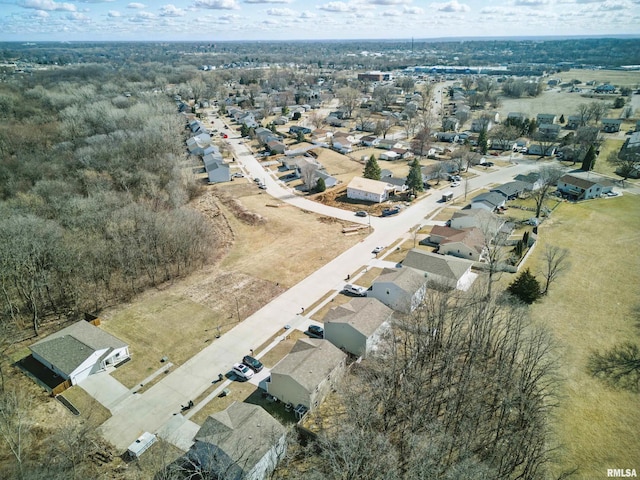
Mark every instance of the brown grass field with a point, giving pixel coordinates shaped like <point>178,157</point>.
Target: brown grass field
<point>588,309</point>
<point>614,77</point>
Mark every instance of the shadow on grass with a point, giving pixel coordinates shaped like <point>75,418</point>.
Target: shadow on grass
<point>275,408</point>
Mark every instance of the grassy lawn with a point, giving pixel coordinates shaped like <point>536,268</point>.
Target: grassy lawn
<point>278,352</point>
<point>589,308</point>
<point>602,166</point>
<point>162,325</point>
<point>615,77</point>
<point>90,409</point>
<point>401,251</point>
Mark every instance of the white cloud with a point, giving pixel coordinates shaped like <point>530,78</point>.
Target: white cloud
<point>391,13</point>
<point>531,3</point>
<point>48,5</point>
<point>414,10</point>
<point>41,14</point>
<point>226,19</point>
<point>335,7</point>
<point>78,17</point>
<point>452,6</point>
<point>281,12</point>
<point>136,5</point>
<point>609,5</point>
<point>143,17</point>
<point>307,14</point>
<point>114,14</point>
<point>217,4</point>
<point>171,11</point>
<point>267,1</point>
<point>270,23</point>
<point>388,2</point>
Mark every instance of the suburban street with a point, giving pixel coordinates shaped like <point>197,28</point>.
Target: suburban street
<point>157,409</point>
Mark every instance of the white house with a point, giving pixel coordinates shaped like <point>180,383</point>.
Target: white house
<point>242,441</point>
<point>400,289</point>
<point>307,373</point>
<point>478,218</point>
<point>441,270</point>
<point>361,188</point>
<point>581,188</point>
<point>467,243</point>
<point>356,326</point>
<point>389,155</point>
<point>79,350</point>
<point>489,201</point>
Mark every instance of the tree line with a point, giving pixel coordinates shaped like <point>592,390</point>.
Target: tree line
<point>94,192</point>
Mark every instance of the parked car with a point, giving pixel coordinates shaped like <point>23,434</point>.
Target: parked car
<point>262,186</point>
<point>455,184</point>
<point>253,363</point>
<point>377,250</point>
<point>361,213</point>
<point>237,175</point>
<point>390,211</point>
<point>355,290</point>
<point>488,164</point>
<point>242,371</point>
<point>315,331</point>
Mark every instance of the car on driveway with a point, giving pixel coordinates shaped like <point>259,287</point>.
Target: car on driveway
<point>242,372</point>
<point>377,250</point>
<point>315,331</point>
<point>361,213</point>
<point>253,363</point>
<point>356,290</point>
<point>237,175</point>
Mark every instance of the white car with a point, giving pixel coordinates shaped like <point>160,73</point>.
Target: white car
<point>355,290</point>
<point>377,250</point>
<point>455,184</point>
<point>242,371</point>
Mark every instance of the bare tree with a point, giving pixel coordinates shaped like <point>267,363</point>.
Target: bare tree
<point>308,175</point>
<point>349,99</point>
<point>549,176</point>
<point>421,143</point>
<point>316,119</point>
<point>15,426</point>
<point>584,112</point>
<point>598,110</point>
<point>555,262</point>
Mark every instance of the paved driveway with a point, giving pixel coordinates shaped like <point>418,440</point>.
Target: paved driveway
<point>105,389</point>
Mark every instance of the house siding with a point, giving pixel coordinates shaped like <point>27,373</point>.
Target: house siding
<point>345,337</point>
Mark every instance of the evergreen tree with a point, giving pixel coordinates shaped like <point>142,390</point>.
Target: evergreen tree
<point>320,185</point>
<point>526,287</point>
<point>372,169</point>
<point>300,137</point>
<point>589,159</point>
<point>561,119</point>
<point>244,130</point>
<point>414,179</point>
<point>483,145</point>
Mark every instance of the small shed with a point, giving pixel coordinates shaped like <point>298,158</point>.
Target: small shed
<point>141,445</point>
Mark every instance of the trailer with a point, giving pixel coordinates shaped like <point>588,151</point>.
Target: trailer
<point>447,196</point>
<point>141,445</point>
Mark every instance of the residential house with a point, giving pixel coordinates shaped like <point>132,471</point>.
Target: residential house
<point>356,327</point>
<point>546,118</point>
<point>441,270</point>
<point>360,188</point>
<point>370,141</point>
<point>478,124</point>
<point>276,146</point>
<point>389,144</point>
<point>403,153</point>
<point>280,120</point>
<point>241,442</point>
<point>295,129</point>
<point>342,144</point>
<point>450,124</point>
<point>79,350</point>
<point>503,144</point>
<point>478,218</point>
<point>522,143</point>
<point>542,150</point>
<point>467,243</point>
<point>549,130</point>
<point>329,180</point>
<point>511,190</point>
<point>605,88</point>
<point>574,122</point>
<point>611,125</point>
<point>320,137</point>
<point>218,172</point>
<point>389,155</point>
<point>305,376</point>
<point>637,126</point>
<point>532,180</point>
<point>399,184</point>
<point>490,201</point>
<point>400,289</point>
<point>517,115</point>
<point>450,137</point>
<point>580,188</point>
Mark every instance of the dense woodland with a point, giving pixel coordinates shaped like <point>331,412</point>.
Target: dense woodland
<point>93,188</point>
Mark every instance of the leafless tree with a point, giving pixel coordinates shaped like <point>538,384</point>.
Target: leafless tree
<point>467,82</point>
<point>316,119</point>
<point>502,135</point>
<point>308,175</point>
<point>349,99</point>
<point>585,113</point>
<point>15,426</point>
<point>598,110</point>
<point>555,262</point>
<point>421,143</point>
<point>549,176</point>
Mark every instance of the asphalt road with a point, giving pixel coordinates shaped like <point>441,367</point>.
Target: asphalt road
<point>155,410</point>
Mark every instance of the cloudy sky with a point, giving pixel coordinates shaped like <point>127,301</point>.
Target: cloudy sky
<point>217,20</point>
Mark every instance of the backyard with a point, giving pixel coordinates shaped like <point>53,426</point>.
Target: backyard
<point>590,308</point>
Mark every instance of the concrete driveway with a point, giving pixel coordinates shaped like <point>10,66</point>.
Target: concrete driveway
<point>105,389</point>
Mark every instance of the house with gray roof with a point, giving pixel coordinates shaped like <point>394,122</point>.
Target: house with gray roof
<point>356,327</point>
<point>511,190</point>
<point>611,125</point>
<point>308,373</point>
<point>400,289</point>
<point>532,180</point>
<point>79,350</point>
<point>580,188</point>
<point>489,201</point>
<point>441,270</point>
<point>241,442</point>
